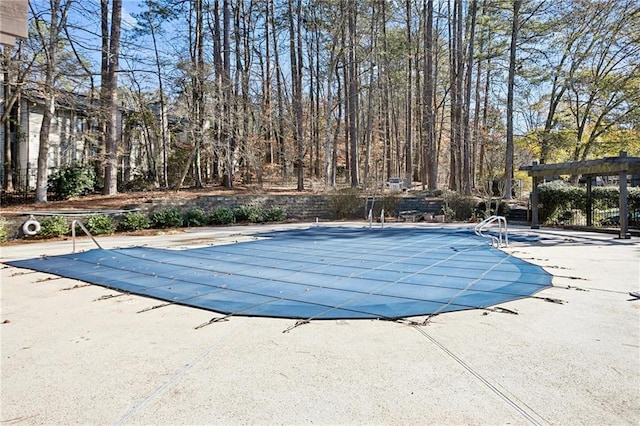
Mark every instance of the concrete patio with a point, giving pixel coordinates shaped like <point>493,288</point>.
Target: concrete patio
<point>71,354</point>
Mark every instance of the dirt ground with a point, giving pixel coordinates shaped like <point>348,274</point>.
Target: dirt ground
<point>18,202</point>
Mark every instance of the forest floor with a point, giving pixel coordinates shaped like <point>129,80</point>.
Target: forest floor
<point>16,202</point>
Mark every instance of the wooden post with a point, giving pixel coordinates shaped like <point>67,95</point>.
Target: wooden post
<point>624,212</point>
<point>534,201</point>
<point>589,202</point>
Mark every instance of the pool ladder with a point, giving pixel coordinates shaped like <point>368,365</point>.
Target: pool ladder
<point>370,218</point>
<point>502,240</point>
<point>75,223</point>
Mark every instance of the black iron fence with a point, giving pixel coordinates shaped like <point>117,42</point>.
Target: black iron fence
<point>20,184</point>
<point>602,217</point>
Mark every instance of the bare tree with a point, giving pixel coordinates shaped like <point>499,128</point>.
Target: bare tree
<point>109,84</point>
<point>466,150</point>
<point>429,151</point>
<point>295,45</point>
<point>49,39</point>
<point>515,28</point>
<point>353,95</point>
<point>409,97</point>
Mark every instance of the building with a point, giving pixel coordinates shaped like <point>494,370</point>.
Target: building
<point>73,137</point>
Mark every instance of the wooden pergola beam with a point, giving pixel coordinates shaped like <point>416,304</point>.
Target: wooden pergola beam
<point>608,166</point>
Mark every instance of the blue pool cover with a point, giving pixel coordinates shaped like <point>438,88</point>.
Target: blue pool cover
<point>315,273</point>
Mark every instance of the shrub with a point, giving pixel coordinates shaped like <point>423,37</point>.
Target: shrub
<point>633,195</point>
<point>346,202</point>
<point>139,182</point>
<point>195,217</point>
<point>222,216</point>
<point>558,196</point>
<point>564,204</point>
<point>249,213</point>
<point>275,214</point>
<point>605,196</point>
<point>4,232</point>
<point>100,224</point>
<point>389,204</point>
<point>495,207</point>
<point>71,181</point>
<point>54,226</point>
<point>458,206</point>
<point>167,218</point>
<point>134,221</point>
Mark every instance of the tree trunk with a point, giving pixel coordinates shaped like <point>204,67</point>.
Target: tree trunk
<point>8,154</point>
<point>429,148</point>
<point>197,95</point>
<point>466,153</point>
<point>282,154</point>
<point>295,46</point>
<point>353,93</point>
<point>408,170</point>
<point>111,106</point>
<point>50,48</point>
<point>163,108</point>
<point>508,171</point>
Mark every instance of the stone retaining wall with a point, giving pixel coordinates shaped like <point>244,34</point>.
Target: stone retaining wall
<point>303,207</point>
<point>296,206</point>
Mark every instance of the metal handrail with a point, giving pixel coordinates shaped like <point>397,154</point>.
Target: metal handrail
<point>502,240</point>
<point>370,218</point>
<point>86,231</point>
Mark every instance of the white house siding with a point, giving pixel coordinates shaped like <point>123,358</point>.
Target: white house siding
<point>2,135</point>
<point>72,139</point>
<point>33,116</point>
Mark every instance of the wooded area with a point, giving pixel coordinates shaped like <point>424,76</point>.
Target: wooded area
<point>454,94</point>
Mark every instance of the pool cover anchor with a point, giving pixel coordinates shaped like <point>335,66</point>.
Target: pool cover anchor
<point>151,308</point>
<point>502,310</point>
<point>296,325</point>
<point>224,318</point>
<point>110,296</point>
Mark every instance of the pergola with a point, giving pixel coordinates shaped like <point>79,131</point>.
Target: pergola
<point>608,166</point>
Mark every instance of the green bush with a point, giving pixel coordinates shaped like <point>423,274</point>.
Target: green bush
<point>275,214</point>
<point>389,204</point>
<point>249,213</point>
<point>167,218</point>
<point>605,196</point>
<point>195,217</point>
<point>4,232</point>
<point>346,202</point>
<point>495,207</point>
<point>564,204</point>
<point>458,206</point>
<point>71,181</point>
<point>139,182</point>
<point>633,196</point>
<point>558,196</point>
<point>222,216</point>
<point>54,226</point>
<point>100,224</point>
<point>134,221</point>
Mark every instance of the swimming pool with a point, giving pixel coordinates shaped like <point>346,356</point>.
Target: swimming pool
<point>315,273</point>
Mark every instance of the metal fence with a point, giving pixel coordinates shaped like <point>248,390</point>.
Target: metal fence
<point>602,217</point>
